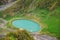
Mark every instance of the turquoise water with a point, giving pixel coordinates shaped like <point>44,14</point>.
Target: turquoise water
<point>28,25</point>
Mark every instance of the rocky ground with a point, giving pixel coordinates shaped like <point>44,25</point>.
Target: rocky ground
<point>43,37</point>
<point>3,23</point>
<point>3,7</point>
<point>37,37</point>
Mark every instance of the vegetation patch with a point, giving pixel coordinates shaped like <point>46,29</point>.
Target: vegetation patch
<point>18,35</point>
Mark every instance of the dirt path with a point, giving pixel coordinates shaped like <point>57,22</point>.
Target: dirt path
<point>43,37</point>
<point>3,7</point>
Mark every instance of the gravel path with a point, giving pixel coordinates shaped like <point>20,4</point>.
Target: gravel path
<point>3,7</point>
<point>43,37</point>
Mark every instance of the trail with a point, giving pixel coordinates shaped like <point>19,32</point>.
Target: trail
<point>3,7</point>
<point>42,37</point>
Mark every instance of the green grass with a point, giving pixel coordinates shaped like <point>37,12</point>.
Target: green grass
<point>51,19</point>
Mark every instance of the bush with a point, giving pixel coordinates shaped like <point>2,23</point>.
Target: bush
<point>18,35</point>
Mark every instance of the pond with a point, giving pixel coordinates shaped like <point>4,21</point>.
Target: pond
<point>28,25</point>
